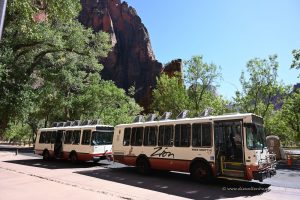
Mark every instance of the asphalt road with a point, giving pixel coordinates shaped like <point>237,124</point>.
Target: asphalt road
<point>174,184</point>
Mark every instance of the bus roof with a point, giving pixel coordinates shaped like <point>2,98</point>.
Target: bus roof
<point>74,127</point>
<point>228,116</point>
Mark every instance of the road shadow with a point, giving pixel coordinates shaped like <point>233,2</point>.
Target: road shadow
<point>179,184</point>
<point>282,164</point>
<point>17,149</point>
<point>55,164</point>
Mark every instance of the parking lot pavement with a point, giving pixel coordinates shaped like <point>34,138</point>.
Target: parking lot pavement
<point>23,173</point>
<point>16,186</point>
<point>29,177</point>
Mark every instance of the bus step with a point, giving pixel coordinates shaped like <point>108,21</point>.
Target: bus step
<point>233,173</point>
<point>233,166</point>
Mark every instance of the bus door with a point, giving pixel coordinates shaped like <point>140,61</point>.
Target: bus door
<point>58,148</point>
<point>229,149</point>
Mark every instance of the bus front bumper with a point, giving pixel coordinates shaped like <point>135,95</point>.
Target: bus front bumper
<point>263,174</point>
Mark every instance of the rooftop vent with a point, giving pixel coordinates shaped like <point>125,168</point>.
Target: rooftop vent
<point>60,124</point>
<point>68,123</point>
<point>54,124</point>
<point>183,114</point>
<point>206,112</point>
<point>76,123</point>
<point>95,122</point>
<point>151,117</point>
<point>85,122</point>
<point>139,118</point>
<point>165,116</point>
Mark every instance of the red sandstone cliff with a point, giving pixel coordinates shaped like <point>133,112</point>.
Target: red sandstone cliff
<point>131,61</point>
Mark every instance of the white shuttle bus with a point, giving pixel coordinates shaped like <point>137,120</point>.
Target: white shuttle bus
<point>76,141</point>
<point>227,146</point>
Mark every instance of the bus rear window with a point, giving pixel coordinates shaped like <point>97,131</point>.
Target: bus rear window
<point>102,138</point>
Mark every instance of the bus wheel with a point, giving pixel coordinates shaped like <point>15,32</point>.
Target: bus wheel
<point>96,160</point>
<point>73,157</point>
<point>46,155</point>
<point>200,172</point>
<point>143,166</point>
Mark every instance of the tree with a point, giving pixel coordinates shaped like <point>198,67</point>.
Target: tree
<point>200,78</point>
<point>277,125</point>
<point>259,92</point>
<point>170,95</point>
<point>286,122</point>
<point>42,42</point>
<point>291,113</point>
<point>296,60</point>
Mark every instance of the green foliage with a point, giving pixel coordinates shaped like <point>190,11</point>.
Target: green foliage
<point>258,92</point>
<point>18,132</point>
<point>286,122</point>
<point>262,91</point>
<point>50,70</point>
<point>201,79</point>
<point>291,113</point>
<point>296,60</point>
<point>114,106</point>
<point>170,95</point>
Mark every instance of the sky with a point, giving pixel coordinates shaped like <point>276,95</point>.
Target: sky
<point>227,33</point>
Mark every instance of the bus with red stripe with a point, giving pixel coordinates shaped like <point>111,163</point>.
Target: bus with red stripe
<point>230,146</point>
<point>75,141</point>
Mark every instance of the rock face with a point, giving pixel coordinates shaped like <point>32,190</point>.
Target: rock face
<point>131,62</point>
<point>175,66</point>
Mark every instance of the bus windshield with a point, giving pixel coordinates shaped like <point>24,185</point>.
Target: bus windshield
<point>256,138</point>
<point>102,137</point>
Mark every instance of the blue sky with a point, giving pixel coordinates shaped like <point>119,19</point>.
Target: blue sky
<point>227,33</point>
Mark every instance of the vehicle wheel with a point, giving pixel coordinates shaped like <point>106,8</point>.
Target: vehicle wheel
<point>73,157</point>
<point>200,172</point>
<point>143,166</point>
<point>96,160</point>
<point>46,155</point>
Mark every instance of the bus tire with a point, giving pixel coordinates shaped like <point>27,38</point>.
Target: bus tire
<point>96,160</point>
<point>73,157</point>
<point>143,166</point>
<point>201,172</point>
<point>46,155</point>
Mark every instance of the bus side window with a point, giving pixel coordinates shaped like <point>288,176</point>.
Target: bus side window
<point>165,136</point>
<point>42,137</point>
<point>126,138</point>
<point>137,136</point>
<point>53,137</point>
<point>68,137</point>
<point>48,137</point>
<point>201,136</point>
<point>150,136</point>
<point>182,135</point>
<point>76,137</point>
<point>86,137</point>
<point>206,135</point>
<point>196,138</point>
